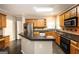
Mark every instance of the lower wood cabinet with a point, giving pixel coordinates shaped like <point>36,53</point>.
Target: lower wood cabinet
<point>4,43</point>
<point>74,49</point>
<point>57,40</point>
<point>51,33</point>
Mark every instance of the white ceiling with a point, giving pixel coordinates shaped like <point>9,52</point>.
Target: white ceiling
<point>27,9</point>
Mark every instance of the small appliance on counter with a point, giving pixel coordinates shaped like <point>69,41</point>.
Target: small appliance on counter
<point>42,34</point>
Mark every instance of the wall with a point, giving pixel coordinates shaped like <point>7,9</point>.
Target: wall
<point>50,20</point>
<point>19,27</point>
<point>23,21</point>
<point>57,22</point>
<point>10,27</point>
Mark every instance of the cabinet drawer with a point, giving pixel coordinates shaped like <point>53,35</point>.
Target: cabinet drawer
<point>78,44</point>
<point>77,51</point>
<point>6,39</point>
<point>74,42</point>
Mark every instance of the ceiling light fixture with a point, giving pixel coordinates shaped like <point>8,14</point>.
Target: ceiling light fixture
<point>43,9</point>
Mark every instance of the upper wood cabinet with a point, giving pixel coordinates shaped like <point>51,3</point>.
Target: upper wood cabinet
<point>2,20</point>
<point>72,49</point>
<point>37,23</point>
<point>78,14</point>
<point>73,12</point>
<point>67,15</point>
<point>61,20</point>
<point>41,23</point>
<point>29,21</point>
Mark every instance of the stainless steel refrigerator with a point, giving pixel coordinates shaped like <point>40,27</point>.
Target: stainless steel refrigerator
<point>30,30</point>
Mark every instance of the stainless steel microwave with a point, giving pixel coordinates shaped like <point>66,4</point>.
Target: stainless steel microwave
<point>71,22</point>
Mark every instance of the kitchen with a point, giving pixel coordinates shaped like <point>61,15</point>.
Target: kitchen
<point>39,31</point>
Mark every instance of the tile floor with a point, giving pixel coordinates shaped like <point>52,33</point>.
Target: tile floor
<point>15,48</point>
<point>57,49</point>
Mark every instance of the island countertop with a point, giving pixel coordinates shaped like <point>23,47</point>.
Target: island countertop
<point>39,38</point>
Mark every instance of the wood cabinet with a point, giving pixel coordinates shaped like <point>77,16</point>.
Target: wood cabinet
<point>4,42</point>
<point>67,15</point>
<point>29,21</point>
<point>74,49</point>
<point>73,12</point>
<point>78,14</point>
<point>41,23</point>
<point>62,20</point>
<point>37,23</point>
<point>2,21</point>
<point>57,40</point>
<point>51,33</point>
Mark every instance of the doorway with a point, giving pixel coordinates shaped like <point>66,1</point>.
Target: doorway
<point>18,28</point>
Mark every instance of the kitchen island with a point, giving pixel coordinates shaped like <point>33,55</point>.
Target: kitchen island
<point>36,45</point>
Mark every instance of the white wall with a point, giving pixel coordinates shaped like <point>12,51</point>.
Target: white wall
<point>23,21</point>
<point>58,23</point>
<point>10,27</point>
<point>19,27</point>
<point>50,20</point>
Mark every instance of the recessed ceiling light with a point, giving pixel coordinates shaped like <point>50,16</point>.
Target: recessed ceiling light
<point>43,9</point>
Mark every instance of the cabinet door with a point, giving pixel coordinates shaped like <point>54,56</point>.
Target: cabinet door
<point>29,21</point>
<point>78,15</point>
<point>77,50</point>
<point>39,23</point>
<point>3,21</point>
<point>67,15</point>
<point>0,21</point>
<point>35,23</point>
<point>1,44</point>
<point>6,41</point>
<point>72,49</point>
<point>62,20</point>
<point>58,40</point>
<point>74,42</point>
<point>73,12</point>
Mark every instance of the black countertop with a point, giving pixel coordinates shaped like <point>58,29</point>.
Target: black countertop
<point>40,38</point>
<point>68,36</point>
